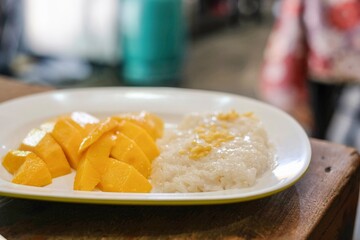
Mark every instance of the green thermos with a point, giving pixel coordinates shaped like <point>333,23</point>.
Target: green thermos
<point>153,42</point>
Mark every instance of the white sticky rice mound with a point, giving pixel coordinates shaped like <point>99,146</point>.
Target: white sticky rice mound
<point>234,164</point>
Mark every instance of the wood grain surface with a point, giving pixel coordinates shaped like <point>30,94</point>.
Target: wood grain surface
<point>321,205</point>
<point>11,88</point>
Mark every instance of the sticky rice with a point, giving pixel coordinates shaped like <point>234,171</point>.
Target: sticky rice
<point>212,152</point>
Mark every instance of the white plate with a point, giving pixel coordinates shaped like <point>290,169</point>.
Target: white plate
<point>18,116</point>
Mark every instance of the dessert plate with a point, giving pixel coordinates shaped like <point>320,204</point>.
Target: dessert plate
<point>19,115</point>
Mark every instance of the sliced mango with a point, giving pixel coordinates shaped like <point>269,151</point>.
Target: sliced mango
<point>148,121</point>
<point>103,127</point>
<point>68,136</point>
<point>99,152</point>
<point>93,163</point>
<point>44,145</point>
<point>14,159</point>
<point>87,176</point>
<point>114,155</point>
<point>33,172</point>
<point>141,137</point>
<point>126,150</point>
<point>83,121</point>
<point>122,177</point>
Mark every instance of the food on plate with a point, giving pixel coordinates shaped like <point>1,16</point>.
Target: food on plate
<point>14,159</point>
<point>93,163</point>
<point>33,172</point>
<point>130,152</point>
<point>90,147</point>
<point>211,152</point>
<point>87,176</point>
<point>44,145</point>
<point>153,124</point>
<point>68,137</point>
<point>101,128</point>
<point>122,177</point>
<point>141,137</point>
<point>126,150</point>
<point>83,121</point>
<point>120,140</point>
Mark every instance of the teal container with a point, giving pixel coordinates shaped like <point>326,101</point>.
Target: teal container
<point>153,42</point>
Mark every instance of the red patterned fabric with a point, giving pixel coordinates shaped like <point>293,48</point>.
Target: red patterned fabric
<point>311,38</point>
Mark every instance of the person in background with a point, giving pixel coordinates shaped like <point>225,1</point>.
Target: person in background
<point>311,67</point>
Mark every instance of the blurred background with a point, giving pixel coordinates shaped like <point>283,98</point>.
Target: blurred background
<point>76,43</point>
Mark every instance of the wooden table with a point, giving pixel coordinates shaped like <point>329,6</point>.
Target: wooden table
<point>321,205</point>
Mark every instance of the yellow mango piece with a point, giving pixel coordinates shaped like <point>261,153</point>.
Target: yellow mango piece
<point>141,137</point>
<point>103,127</point>
<point>99,152</point>
<point>87,176</point>
<point>44,145</point>
<point>33,172</point>
<point>68,137</point>
<point>93,163</point>
<point>14,159</point>
<point>153,124</point>
<point>83,121</point>
<point>122,177</point>
<point>126,150</point>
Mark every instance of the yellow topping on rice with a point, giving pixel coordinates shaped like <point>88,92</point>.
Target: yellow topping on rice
<point>211,135</point>
<point>215,137</point>
<point>208,140</point>
<point>248,114</point>
<point>230,116</point>
<point>233,115</point>
<point>198,150</point>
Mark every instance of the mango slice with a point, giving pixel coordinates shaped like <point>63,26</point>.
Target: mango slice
<point>98,152</point>
<point>93,163</point>
<point>33,172</point>
<point>67,136</point>
<point>87,176</point>
<point>122,177</point>
<point>103,127</point>
<point>148,121</point>
<point>126,150</point>
<point>114,155</point>
<point>141,137</point>
<point>45,146</point>
<point>83,121</point>
<point>14,159</point>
